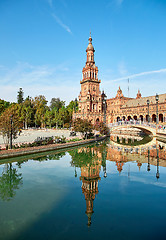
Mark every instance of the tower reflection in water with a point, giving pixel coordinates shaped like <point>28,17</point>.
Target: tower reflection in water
<point>89,178</point>
<point>90,160</point>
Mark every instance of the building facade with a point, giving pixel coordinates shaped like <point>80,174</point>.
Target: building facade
<point>94,106</point>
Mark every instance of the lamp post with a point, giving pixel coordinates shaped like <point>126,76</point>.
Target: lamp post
<point>104,157</point>
<point>104,106</point>
<point>157,100</point>
<point>148,110</point>
<point>157,174</point>
<point>11,133</point>
<point>148,167</point>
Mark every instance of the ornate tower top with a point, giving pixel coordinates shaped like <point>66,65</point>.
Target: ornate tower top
<point>90,53</point>
<point>138,94</point>
<point>119,93</point>
<point>90,71</point>
<point>90,46</point>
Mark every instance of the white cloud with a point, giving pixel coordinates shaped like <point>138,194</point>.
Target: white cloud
<point>138,75</point>
<point>113,3</point>
<point>58,20</point>
<point>65,92</point>
<point>51,81</point>
<point>146,181</point>
<point>60,81</point>
<point>50,2</point>
<point>28,74</point>
<point>119,2</point>
<point>149,83</point>
<point>122,68</point>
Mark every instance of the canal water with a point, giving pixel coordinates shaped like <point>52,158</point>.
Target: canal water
<point>91,192</point>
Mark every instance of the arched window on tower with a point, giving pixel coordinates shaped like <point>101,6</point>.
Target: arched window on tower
<point>93,106</point>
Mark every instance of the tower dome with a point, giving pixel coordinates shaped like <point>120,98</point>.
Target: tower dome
<point>90,46</point>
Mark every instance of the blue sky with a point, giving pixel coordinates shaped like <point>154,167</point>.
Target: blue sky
<point>43,43</point>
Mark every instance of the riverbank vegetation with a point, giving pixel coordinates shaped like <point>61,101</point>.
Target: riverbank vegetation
<point>37,113</point>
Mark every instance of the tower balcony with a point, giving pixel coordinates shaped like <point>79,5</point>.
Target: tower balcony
<point>90,80</point>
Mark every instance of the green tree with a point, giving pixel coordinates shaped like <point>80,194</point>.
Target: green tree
<point>27,112</point>
<point>49,116</point>
<point>40,107</point>
<point>56,119</point>
<point>82,125</point>
<point>20,95</point>
<point>72,107</point>
<point>102,128</point>
<point>10,181</point>
<point>63,116</point>
<point>10,122</point>
<point>3,105</point>
<point>56,103</point>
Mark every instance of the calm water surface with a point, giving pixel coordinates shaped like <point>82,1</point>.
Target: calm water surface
<point>90,192</point>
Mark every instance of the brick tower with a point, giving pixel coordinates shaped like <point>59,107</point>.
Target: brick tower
<point>90,98</point>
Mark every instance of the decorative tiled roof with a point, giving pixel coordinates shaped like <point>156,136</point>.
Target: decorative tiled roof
<point>143,101</point>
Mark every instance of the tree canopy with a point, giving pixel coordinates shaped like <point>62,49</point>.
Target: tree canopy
<point>82,125</point>
<point>35,112</point>
<point>20,96</point>
<point>10,122</point>
<point>56,104</point>
<point>3,105</point>
<point>10,181</point>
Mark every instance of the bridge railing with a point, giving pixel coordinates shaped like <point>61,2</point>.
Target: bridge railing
<point>159,128</point>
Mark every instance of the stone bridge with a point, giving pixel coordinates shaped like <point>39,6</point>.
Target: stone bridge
<point>149,128</point>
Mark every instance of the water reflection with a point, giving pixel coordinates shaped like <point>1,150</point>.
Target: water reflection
<point>91,168</point>
<point>89,160</point>
<point>130,140</point>
<point>157,174</point>
<point>10,181</point>
<point>148,167</point>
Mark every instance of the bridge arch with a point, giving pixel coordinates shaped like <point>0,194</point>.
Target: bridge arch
<point>150,130</point>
